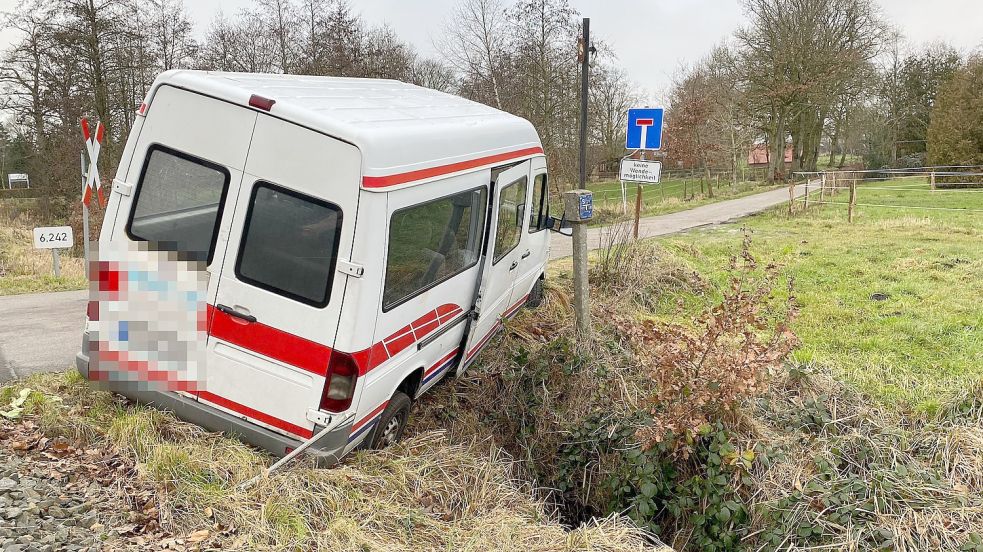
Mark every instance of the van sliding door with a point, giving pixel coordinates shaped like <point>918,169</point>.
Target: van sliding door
<point>502,255</point>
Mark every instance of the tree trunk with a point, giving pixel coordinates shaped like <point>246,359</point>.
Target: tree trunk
<point>776,159</point>
<point>846,121</point>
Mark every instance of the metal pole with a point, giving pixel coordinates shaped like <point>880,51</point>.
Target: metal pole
<point>638,207</point>
<point>85,220</point>
<point>56,263</point>
<point>584,85</point>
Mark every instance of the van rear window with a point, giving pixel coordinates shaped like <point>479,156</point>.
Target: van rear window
<point>178,203</point>
<point>290,244</point>
<point>432,242</point>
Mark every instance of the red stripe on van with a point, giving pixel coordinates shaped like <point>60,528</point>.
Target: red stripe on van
<point>256,414</point>
<point>474,350</point>
<point>269,341</point>
<point>515,308</point>
<point>403,178</point>
<point>371,415</point>
<point>398,341</point>
<point>508,312</point>
<point>440,362</point>
<point>314,357</point>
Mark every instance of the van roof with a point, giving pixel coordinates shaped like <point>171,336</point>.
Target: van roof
<point>407,134</point>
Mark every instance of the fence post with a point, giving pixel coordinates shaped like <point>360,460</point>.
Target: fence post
<point>853,199</point>
<point>807,194</point>
<point>932,182</point>
<point>791,198</point>
<point>822,189</point>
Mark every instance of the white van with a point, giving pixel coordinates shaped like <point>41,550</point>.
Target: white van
<point>363,239</point>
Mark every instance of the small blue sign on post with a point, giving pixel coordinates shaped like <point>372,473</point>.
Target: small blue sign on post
<point>644,128</point>
<point>586,206</point>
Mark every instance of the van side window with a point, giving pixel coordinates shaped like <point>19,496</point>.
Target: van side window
<point>539,209</point>
<point>178,203</point>
<point>431,242</point>
<point>511,215</point>
<point>290,244</point>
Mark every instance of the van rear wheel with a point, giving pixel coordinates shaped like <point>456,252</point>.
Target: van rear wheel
<point>392,422</point>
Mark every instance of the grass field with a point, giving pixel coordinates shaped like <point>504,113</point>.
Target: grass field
<point>670,196</point>
<point>890,303</point>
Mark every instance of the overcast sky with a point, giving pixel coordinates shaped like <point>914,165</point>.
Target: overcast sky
<point>652,38</point>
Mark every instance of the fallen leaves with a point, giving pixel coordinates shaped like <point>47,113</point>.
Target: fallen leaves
<point>16,407</point>
<point>199,535</point>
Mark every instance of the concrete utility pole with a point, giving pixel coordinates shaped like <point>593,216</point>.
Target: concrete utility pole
<point>579,208</point>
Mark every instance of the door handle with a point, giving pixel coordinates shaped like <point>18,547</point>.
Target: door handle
<point>526,254</point>
<point>514,264</point>
<point>236,314</point>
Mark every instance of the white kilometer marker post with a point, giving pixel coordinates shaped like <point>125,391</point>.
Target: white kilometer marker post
<point>54,238</point>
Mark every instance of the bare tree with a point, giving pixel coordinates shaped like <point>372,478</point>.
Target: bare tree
<point>798,55</point>
<point>474,42</point>
<point>611,95</point>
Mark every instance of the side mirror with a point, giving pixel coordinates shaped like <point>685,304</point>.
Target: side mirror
<point>560,226</point>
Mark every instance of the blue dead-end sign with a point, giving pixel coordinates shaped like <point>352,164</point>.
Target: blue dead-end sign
<point>644,128</point>
<point>586,206</point>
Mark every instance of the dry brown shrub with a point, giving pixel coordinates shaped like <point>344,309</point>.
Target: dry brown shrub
<point>705,373</point>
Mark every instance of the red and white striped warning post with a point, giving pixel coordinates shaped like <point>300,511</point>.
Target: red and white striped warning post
<point>90,180</point>
<point>93,144</point>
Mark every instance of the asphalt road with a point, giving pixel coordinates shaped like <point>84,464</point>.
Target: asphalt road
<point>714,213</point>
<point>40,331</point>
<point>43,331</point>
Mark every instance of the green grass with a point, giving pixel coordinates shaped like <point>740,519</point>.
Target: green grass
<point>670,196</point>
<point>918,347</point>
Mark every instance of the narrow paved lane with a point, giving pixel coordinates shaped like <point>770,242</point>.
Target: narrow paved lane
<point>715,213</point>
<point>42,331</point>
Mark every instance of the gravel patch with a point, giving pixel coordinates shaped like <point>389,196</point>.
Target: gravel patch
<point>56,497</point>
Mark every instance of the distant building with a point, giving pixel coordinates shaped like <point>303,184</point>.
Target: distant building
<point>759,156</point>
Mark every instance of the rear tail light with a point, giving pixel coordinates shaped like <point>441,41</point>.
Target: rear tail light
<point>340,385</point>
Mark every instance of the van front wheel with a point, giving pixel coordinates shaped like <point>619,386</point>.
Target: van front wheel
<point>392,422</point>
<point>535,295</point>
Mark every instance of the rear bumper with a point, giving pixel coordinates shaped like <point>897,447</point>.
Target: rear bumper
<point>327,451</point>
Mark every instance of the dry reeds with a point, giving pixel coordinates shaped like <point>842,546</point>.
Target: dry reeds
<point>424,494</point>
<point>854,476</point>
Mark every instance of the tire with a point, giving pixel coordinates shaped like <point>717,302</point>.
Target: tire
<point>393,421</point>
<point>535,295</point>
